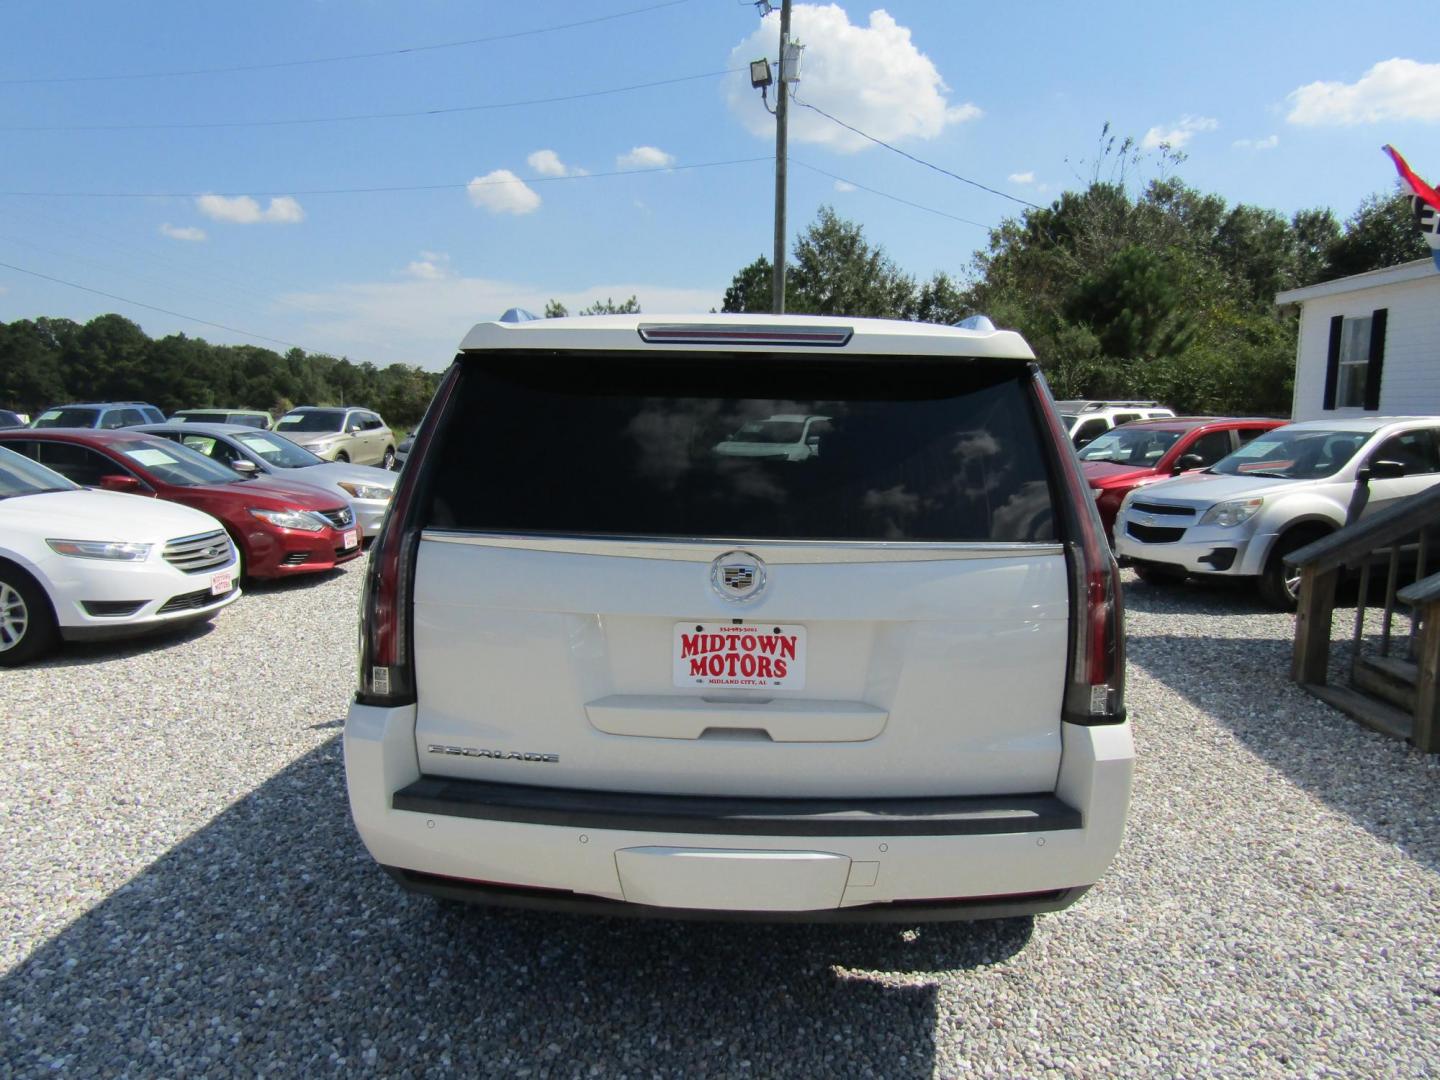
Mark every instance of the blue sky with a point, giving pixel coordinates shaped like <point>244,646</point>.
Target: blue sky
<point>1280,105</point>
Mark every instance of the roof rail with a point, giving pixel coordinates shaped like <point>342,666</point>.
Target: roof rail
<point>1082,405</point>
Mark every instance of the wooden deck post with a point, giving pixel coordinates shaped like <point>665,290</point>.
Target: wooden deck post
<point>1426,732</point>
<point>1312,626</point>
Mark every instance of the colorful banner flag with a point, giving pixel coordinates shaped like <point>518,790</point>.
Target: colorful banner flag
<point>1421,189</point>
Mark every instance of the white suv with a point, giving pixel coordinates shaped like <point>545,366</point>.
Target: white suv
<point>623,671</point>
<point>1086,421</point>
<point>1277,493</point>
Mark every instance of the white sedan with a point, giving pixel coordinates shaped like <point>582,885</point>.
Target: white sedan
<point>77,564</point>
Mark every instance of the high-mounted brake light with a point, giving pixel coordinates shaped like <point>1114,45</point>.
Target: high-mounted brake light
<point>1095,689</point>
<point>828,337</point>
<point>387,666</point>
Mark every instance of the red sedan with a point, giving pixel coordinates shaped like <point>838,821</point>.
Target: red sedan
<point>1146,451</point>
<point>280,529</point>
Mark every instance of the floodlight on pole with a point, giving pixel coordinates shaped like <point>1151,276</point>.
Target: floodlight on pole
<point>760,75</point>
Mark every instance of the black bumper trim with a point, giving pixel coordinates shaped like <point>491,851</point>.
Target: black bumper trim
<point>569,808</point>
<point>897,911</point>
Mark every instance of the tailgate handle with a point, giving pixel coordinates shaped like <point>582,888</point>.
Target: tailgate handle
<point>669,716</point>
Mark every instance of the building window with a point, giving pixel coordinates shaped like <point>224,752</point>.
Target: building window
<point>1354,363</point>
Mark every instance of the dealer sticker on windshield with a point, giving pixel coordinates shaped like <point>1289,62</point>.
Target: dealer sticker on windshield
<point>730,655</point>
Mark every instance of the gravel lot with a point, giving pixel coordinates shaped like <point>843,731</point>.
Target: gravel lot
<point>181,892</point>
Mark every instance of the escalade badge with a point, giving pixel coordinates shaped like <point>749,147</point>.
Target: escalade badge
<point>494,755</point>
<point>737,575</point>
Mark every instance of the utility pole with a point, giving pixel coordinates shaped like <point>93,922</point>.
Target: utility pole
<point>782,116</point>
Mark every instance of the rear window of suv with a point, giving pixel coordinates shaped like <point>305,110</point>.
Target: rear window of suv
<point>624,445</point>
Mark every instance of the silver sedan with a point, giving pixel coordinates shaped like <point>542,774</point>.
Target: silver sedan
<point>247,450</point>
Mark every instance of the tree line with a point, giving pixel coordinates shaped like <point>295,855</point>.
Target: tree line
<point>1152,290</point>
<point>46,362</point>
<point>1122,288</point>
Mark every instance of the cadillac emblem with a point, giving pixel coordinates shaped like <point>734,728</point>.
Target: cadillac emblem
<point>737,575</point>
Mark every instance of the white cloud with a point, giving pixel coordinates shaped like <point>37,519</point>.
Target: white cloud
<point>430,266</point>
<point>548,163</point>
<point>844,186</point>
<point>870,76</point>
<point>1178,135</point>
<point>182,232</point>
<point>421,321</point>
<point>502,192</point>
<point>1022,177</point>
<point>645,157</point>
<point>1391,90</point>
<point>1267,143</point>
<point>243,210</point>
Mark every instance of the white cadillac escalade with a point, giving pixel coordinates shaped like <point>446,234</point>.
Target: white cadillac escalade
<point>607,665</point>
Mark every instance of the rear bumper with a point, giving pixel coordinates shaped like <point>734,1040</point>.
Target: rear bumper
<point>668,856</point>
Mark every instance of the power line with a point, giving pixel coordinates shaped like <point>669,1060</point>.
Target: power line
<point>271,66</point>
<point>150,307</point>
<point>918,161</point>
<point>439,111</point>
<point>377,189</point>
<point>893,198</point>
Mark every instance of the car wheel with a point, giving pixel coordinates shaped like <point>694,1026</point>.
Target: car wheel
<point>388,461</point>
<point>1160,575</point>
<point>27,624</point>
<point>343,456</point>
<point>1279,584</point>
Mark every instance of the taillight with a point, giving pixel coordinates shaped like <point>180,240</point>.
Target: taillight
<point>387,666</point>
<point>1095,687</point>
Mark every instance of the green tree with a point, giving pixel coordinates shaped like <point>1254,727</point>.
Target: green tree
<point>752,288</point>
<point>554,309</point>
<point>836,271</point>
<point>1380,233</point>
<point>1133,306</point>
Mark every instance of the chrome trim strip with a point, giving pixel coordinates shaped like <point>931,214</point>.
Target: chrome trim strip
<point>774,551</point>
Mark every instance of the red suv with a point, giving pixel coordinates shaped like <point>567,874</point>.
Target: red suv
<point>279,529</point>
<point>1145,451</point>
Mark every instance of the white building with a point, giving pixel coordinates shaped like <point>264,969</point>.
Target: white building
<point>1369,344</point>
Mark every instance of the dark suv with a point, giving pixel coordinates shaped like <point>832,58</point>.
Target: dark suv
<point>104,415</point>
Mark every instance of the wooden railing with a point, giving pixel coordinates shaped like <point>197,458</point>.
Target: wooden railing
<point>1392,676</point>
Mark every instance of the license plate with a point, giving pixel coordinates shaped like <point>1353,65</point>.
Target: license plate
<point>726,655</point>
<point>221,584</point>
<point>350,539</point>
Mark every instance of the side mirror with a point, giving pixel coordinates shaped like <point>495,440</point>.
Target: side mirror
<point>1189,461</point>
<point>353,429</point>
<point>120,483</point>
<point>813,442</point>
<point>244,468</point>
<point>1381,470</point>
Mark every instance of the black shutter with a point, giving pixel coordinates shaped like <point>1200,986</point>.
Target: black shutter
<point>1332,360</point>
<point>1377,358</point>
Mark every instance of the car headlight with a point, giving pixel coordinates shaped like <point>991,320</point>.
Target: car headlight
<point>101,549</point>
<point>373,492</point>
<point>292,519</point>
<point>1230,513</point>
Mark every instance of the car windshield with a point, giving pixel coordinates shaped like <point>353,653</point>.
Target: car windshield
<point>65,418</point>
<point>176,464</point>
<point>1294,454</point>
<point>319,420</point>
<point>282,453</point>
<point>21,476</point>
<point>1130,446</point>
<point>769,431</point>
